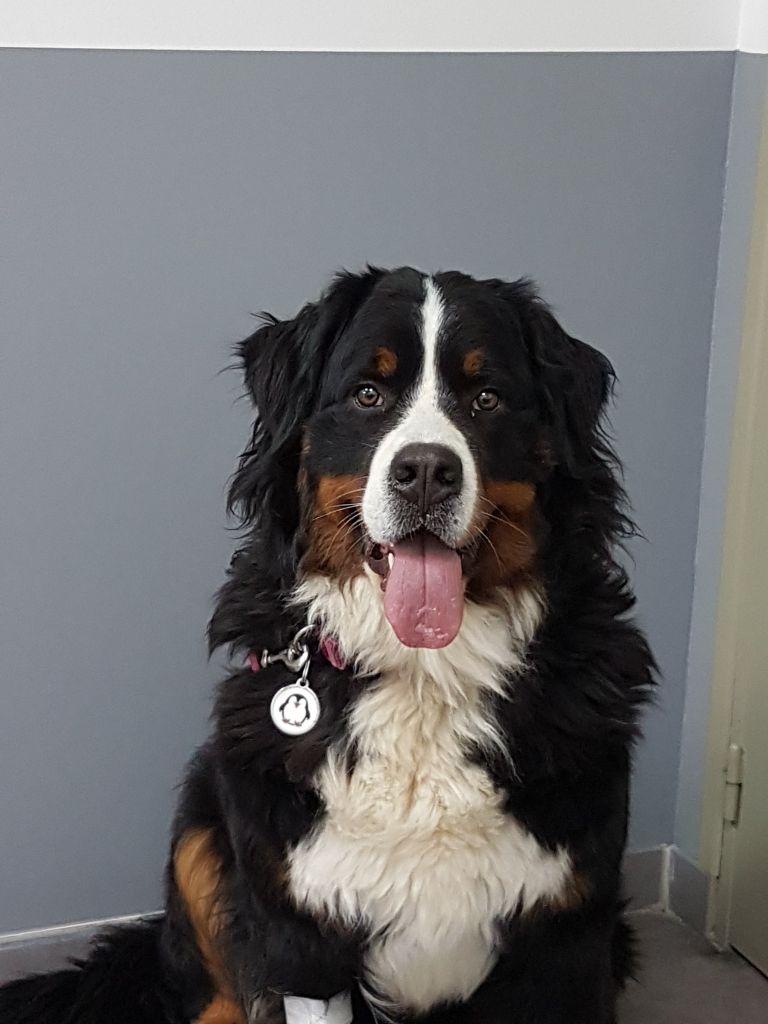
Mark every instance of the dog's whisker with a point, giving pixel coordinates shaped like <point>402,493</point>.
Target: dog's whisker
<point>498,516</point>
<point>484,536</point>
<point>348,526</point>
<point>334,510</point>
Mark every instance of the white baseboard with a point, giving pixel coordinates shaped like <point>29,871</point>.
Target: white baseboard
<point>664,879</point>
<point>48,949</point>
<point>688,891</point>
<point>75,929</point>
<point>644,878</point>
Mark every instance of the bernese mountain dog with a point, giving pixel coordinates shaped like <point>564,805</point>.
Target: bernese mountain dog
<point>413,804</point>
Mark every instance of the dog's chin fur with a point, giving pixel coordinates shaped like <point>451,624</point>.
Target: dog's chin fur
<point>491,642</point>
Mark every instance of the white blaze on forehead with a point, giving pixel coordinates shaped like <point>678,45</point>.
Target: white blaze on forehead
<point>432,315</point>
<point>424,422</point>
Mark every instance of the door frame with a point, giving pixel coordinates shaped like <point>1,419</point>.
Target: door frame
<point>717,846</point>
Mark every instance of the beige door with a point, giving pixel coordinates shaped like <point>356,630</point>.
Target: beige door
<point>740,915</point>
<point>748,930</point>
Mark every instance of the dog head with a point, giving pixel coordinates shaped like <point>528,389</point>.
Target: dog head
<point>437,433</point>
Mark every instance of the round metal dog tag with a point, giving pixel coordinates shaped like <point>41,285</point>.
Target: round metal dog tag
<point>295,709</point>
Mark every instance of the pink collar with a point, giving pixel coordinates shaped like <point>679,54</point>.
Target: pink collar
<point>329,648</point>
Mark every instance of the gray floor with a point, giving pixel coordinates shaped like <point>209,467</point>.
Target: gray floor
<point>682,980</point>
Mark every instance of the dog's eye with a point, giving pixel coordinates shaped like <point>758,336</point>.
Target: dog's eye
<point>367,397</point>
<point>486,401</point>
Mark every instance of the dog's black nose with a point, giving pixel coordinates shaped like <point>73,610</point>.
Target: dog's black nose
<point>426,474</point>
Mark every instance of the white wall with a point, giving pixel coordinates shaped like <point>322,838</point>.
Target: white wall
<point>432,25</point>
<point>753,26</point>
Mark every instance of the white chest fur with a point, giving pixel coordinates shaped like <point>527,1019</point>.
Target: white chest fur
<point>414,842</point>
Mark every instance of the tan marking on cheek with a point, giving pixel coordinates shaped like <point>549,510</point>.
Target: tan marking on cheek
<point>197,871</point>
<point>333,527</point>
<point>516,497</point>
<point>505,528</point>
<point>473,362</point>
<point>385,361</point>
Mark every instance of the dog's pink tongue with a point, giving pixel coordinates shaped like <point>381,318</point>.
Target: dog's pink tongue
<point>424,599</point>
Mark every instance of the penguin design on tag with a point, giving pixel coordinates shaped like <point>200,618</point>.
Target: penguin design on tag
<point>295,710</point>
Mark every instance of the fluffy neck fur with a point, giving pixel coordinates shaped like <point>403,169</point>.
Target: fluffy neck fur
<point>492,639</point>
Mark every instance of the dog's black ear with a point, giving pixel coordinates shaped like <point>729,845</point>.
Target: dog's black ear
<point>575,382</point>
<point>283,363</point>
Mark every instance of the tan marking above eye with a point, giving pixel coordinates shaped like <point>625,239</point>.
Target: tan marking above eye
<point>474,361</point>
<point>385,361</point>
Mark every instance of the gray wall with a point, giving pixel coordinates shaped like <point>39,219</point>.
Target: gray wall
<point>150,201</point>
